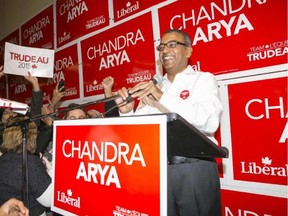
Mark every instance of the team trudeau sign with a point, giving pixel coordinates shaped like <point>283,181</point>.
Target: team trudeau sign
<point>108,158</point>
<point>20,60</point>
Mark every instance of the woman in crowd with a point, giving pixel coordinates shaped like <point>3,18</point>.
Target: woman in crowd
<point>39,180</point>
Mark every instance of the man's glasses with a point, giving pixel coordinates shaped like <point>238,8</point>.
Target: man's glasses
<point>170,44</point>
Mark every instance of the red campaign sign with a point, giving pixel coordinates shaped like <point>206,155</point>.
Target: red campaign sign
<point>230,36</point>
<point>258,120</point>
<point>19,89</point>
<point>66,68</point>
<point>123,9</point>
<point>243,204</point>
<point>79,18</point>
<point>11,38</point>
<point>99,162</point>
<point>125,52</point>
<point>39,31</point>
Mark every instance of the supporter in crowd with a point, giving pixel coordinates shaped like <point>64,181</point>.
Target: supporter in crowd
<point>36,102</point>
<point>93,113</point>
<point>13,207</point>
<point>193,183</point>
<point>109,109</point>
<point>45,129</point>
<point>39,180</point>
<point>75,112</point>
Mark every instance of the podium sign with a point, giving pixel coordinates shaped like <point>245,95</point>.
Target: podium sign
<point>110,166</point>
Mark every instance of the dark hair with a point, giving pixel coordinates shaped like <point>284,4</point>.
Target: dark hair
<point>186,37</point>
<point>74,106</point>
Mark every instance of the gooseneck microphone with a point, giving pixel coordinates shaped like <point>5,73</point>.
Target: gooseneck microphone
<point>157,79</point>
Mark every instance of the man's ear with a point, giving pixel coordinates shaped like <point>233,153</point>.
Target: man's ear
<point>189,51</point>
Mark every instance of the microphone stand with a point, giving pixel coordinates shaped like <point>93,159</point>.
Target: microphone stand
<point>25,193</point>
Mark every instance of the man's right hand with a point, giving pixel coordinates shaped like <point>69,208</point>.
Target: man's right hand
<point>124,105</point>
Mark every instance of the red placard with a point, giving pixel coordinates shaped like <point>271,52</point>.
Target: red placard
<point>246,204</point>
<point>231,36</point>
<point>258,119</point>
<point>125,52</point>
<point>79,18</point>
<point>123,9</point>
<point>66,68</point>
<point>101,161</point>
<point>39,31</point>
<point>11,38</point>
<point>19,89</point>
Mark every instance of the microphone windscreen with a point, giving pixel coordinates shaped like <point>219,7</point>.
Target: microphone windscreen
<point>157,79</point>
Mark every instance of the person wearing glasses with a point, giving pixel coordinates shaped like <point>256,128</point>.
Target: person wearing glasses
<point>193,183</point>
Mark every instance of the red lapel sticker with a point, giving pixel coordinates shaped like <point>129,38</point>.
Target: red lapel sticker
<point>184,94</point>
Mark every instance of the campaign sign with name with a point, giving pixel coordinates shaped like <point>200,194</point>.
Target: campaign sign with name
<point>227,35</point>
<point>115,52</point>
<point>239,203</point>
<point>110,166</point>
<point>20,60</point>
<point>259,143</point>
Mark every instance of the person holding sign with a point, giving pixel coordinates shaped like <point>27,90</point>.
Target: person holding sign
<point>193,183</point>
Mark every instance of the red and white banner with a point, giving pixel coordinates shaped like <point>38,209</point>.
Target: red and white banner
<point>229,36</point>
<point>20,60</point>
<point>236,203</point>
<point>79,18</point>
<point>125,52</point>
<point>259,130</point>
<point>112,166</point>
<point>39,31</point>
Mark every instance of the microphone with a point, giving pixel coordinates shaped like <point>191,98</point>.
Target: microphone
<point>157,79</point>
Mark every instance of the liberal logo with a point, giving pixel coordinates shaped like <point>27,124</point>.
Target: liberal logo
<point>68,198</point>
<point>129,9</point>
<point>266,168</point>
<point>94,87</point>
